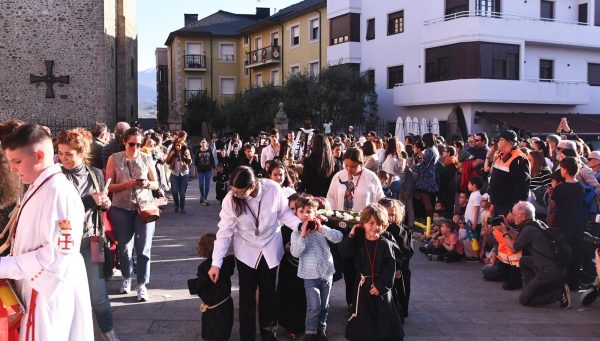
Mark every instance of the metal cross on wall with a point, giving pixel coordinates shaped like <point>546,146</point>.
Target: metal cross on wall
<point>49,79</point>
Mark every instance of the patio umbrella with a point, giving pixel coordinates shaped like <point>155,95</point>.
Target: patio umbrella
<point>416,127</point>
<point>408,126</point>
<point>424,126</point>
<point>435,126</point>
<point>399,129</point>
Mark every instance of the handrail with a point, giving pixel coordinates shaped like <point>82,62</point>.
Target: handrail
<point>558,81</point>
<point>496,15</point>
<point>271,52</point>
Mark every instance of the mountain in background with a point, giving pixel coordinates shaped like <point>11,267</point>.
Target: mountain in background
<point>147,93</point>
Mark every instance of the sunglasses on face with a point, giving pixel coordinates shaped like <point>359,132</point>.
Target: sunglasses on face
<point>133,145</point>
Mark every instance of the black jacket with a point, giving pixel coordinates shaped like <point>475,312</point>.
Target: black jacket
<point>508,188</point>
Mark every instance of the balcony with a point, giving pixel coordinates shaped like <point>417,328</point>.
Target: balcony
<point>345,53</point>
<point>492,91</point>
<point>194,62</point>
<point>189,94</point>
<point>492,26</point>
<point>265,56</point>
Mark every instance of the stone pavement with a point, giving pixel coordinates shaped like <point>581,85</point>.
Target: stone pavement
<point>448,302</point>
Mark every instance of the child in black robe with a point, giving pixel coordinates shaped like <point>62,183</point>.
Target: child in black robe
<point>221,180</point>
<point>401,234</point>
<point>217,306</point>
<point>291,296</point>
<point>375,315</point>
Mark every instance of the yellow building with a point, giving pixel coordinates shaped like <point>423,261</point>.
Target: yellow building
<point>285,43</point>
<point>226,53</point>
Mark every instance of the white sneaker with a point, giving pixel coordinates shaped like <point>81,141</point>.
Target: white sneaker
<point>126,286</point>
<point>142,293</point>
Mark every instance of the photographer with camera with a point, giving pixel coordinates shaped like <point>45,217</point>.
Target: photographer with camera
<point>543,264</point>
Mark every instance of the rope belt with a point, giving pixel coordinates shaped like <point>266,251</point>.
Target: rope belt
<point>205,307</point>
<point>360,284</point>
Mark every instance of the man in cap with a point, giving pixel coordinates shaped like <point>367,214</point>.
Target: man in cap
<point>510,175</point>
<point>594,163</point>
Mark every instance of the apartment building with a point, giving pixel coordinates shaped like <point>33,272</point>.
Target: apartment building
<point>477,65</point>
<point>288,42</point>
<point>226,53</point>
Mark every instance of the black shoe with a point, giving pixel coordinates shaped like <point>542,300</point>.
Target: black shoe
<point>589,296</point>
<point>565,298</point>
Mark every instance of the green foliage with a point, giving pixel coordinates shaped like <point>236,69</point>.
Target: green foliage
<point>201,108</point>
<point>252,111</point>
<point>302,97</point>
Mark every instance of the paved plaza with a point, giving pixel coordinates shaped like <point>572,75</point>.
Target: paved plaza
<point>448,302</point>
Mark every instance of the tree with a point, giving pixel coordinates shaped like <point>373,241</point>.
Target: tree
<point>201,108</point>
<point>302,97</point>
<point>252,111</point>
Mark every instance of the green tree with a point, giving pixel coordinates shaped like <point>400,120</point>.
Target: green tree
<point>201,108</point>
<point>302,97</point>
<point>252,111</point>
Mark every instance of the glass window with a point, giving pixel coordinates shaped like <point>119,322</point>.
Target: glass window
<point>294,70</point>
<point>275,77</point>
<point>594,74</point>
<point>547,9</point>
<point>275,38</point>
<point>371,78</point>
<point>488,7</point>
<point>395,76</point>
<point>472,60</point>
<point>227,52</point>
<point>396,23</point>
<point>314,29</point>
<point>258,79</point>
<point>371,29</point>
<point>546,70</point>
<point>314,68</point>
<point>344,28</point>
<point>295,35</point>
<point>228,86</point>
<point>456,6</point>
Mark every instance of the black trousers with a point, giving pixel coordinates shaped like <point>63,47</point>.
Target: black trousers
<point>542,285</point>
<point>264,279</point>
<point>574,266</point>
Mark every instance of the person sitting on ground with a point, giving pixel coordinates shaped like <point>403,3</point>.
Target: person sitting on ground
<point>447,247</point>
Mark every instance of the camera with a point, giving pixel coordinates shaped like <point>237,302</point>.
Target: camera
<point>591,240</point>
<point>311,225</point>
<point>495,221</point>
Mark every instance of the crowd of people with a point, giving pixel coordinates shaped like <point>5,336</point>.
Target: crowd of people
<point>521,207</point>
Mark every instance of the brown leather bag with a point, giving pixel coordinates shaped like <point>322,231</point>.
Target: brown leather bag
<point>149,212</point>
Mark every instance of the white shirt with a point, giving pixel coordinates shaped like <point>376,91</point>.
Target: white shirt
<point>474,201</point>
<point>268,153</point>
<point>47,259</point>
<point>393,166</point>
<point>327,127</point>
<point>368,190</point>
<point>247,247</point>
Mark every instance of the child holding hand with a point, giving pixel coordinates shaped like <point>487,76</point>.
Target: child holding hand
<point>315,265</point>
<point>376,315</point>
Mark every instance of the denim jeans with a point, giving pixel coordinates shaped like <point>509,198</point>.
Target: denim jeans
<point>98,292</point>
<point>204,179</point>
<point>317,303</point>
<point>178,188</point>
<point>127,225</point>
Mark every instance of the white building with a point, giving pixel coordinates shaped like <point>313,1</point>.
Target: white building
<point>496,61</point>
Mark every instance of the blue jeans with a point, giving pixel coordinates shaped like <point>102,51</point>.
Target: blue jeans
<point>317,303</point>
<point>127,225</point>
<point>204,179</point>
<point>178,188</point>
<point>98,292</point>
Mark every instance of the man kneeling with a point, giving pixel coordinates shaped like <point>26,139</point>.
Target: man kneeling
<point>543,272</point>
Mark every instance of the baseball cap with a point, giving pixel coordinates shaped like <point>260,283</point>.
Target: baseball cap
<point>509,135</point>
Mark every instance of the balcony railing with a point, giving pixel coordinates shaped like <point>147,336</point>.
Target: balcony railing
<point>189,94</point>
<point>499,15</point>
<point>266,55</point>
<point>195,62</point>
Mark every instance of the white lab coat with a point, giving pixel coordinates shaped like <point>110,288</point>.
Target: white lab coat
<point>55,270</point>
<point>247,247</point>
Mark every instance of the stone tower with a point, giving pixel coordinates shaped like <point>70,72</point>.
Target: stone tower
<point>93,42</point>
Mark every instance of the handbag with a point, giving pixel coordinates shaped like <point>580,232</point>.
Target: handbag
<point>147,209</point>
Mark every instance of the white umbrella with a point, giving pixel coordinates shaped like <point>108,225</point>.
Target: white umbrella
<point>408,123</point>
<point>416,128</point>
<point>424,126</point>
<point>399,129</point>
<point>435,126</point>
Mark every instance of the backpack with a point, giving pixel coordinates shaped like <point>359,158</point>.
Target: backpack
<point>590,205</point>
<point>561,250</point>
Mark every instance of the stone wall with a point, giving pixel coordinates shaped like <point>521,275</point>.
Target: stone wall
<point>81,38</point>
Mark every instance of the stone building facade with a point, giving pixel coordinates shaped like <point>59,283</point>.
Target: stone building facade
<point>93,42</point>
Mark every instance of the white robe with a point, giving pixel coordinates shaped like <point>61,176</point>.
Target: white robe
<point>55,270</point>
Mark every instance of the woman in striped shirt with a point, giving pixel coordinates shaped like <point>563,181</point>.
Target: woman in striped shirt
<point>540,173</point>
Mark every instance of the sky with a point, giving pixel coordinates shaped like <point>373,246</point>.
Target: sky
<point>157,18</point>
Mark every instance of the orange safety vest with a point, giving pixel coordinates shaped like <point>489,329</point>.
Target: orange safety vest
<point>505,254</point>
<point>505,165</point>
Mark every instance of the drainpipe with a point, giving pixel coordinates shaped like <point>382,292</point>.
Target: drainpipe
<point>281,54</point>
<point>211,67</point>
<point>320,38</point>
<point>249,62</point>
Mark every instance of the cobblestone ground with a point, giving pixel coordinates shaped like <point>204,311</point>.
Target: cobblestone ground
<point>449,301</point>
